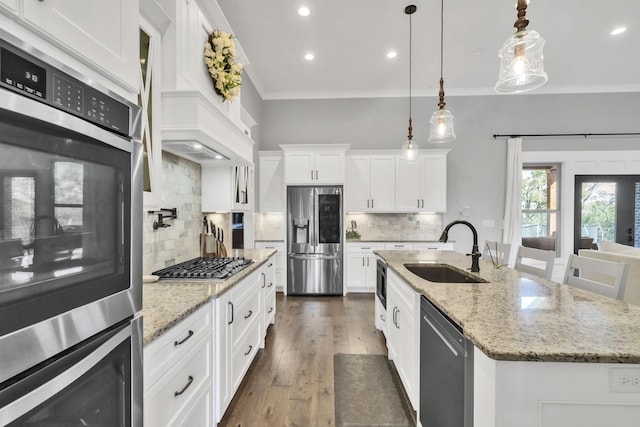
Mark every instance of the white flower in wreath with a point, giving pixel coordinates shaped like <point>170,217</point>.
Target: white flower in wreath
<point>219,57</point>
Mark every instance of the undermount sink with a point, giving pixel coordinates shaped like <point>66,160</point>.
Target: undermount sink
<point>442,273</point>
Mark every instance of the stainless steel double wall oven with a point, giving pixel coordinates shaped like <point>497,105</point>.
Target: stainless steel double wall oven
<point>70,247</point>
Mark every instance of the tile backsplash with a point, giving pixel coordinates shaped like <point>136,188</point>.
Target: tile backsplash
<point>181,189</point>
<point>410,226</point>
<point>269,226</point>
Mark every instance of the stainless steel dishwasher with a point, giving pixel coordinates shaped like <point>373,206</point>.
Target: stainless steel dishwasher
<point>446,371</point>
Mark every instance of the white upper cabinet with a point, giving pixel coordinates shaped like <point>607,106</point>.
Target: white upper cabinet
<point>226,189</point>
<point>370,183</point>
<point>421,184</point>
<point>314,164</point>
<point>103,34</point>
<point>271,182</point>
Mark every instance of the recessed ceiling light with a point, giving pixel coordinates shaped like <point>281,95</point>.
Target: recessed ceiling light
<point>218,156</point>
<point>392,54</point>
<point>618,30</point>
<point>304,11</point>
<point>197,146</point>
<point>309,57</point>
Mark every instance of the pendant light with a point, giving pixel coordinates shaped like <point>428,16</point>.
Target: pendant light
<point>410,148</point>
<point>521,59</point>
<point>441,129</point>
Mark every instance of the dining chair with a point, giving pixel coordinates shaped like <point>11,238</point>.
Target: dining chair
<point>606,278</point>
<point>528,254</point>
<point>497,252</point>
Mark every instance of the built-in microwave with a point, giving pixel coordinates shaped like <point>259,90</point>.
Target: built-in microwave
<point>70,209</point>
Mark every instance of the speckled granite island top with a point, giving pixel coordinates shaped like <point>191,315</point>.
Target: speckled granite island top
<point>525,317</point>
<point>167,302</point>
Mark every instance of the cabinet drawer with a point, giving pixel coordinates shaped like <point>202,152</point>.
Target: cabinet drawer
<point>366,247</point>
<point>270,306</point>
<point>167,399</point>
<point>430,246</point>
<point>165,351</point>
<point>244,314</point>
<point>200,412</point>
<point>398,246</point>
<point>244,352</point>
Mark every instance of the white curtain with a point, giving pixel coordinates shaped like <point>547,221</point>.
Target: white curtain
<point>512,222</point>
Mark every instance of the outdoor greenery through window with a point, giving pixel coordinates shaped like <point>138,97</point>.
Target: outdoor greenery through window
<point>541,207</point>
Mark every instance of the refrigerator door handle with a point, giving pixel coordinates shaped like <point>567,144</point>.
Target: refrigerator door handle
<point>337,255</point>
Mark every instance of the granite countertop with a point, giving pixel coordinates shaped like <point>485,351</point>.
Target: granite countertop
<point>166,302</point>
<point>525,317</point>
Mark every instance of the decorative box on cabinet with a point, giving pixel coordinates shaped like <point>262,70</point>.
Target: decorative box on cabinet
<point>361,266</point>
<point>370,183</point>
<point>102,34</point>
<point>314,164</point>
<point>428,177</point>
<point>271,182</point>
<point>177,374</point>
<point>227,189</point>
<point>403,331</point>
<point>279,260</point>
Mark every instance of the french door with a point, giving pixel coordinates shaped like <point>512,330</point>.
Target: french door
<point>607,207</point>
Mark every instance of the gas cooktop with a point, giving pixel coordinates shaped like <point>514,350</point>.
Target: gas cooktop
<point>205,268</point>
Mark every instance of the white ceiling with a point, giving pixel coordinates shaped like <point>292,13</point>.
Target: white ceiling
<point>350,39</point>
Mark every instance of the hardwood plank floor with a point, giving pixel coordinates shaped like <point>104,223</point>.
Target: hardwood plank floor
<point>291,380</point>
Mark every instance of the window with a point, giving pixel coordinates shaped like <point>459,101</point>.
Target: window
<point>541,207</point>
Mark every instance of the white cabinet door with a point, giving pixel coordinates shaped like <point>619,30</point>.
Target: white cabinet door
<point>433,180</point>
<point>403,332</point>
<point>9,5</point>
<point>408,185</point>
<point>271,183</point>
<point>216,189</point>
<point>329,168</point>
<point>370,272</point>
<point>356,272</point>
<point>104,33</point>
<point>299,168</point>
<point>382,183</point>
<point>357,184</point>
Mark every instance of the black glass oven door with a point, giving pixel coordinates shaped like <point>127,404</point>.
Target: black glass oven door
<point>65,215</point>
<point>90,385</point>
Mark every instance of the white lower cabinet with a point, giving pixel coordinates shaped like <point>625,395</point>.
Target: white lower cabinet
<point>403,333</point>
<point>239,331</point>
<point>177,374</point>
<point>361,266</point>
<point>279,261</point>
<point>268,307</point>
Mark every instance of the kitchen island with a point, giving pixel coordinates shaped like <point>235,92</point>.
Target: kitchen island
<point>590,345</point>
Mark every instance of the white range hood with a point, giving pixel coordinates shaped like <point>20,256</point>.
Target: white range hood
<point>194,128</point>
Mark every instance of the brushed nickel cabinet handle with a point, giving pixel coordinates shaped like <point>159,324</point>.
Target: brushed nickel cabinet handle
<point>249,351</point>
<point>270,310</point>
<point>248,315</point>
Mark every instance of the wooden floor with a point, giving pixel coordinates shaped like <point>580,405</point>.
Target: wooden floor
<point>291,380</point>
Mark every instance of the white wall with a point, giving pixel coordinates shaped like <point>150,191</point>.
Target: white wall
<point>477,162</point>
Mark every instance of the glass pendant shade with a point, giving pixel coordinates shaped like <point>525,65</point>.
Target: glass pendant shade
<point>441,126</point>
<point>521,63</point>
<point>410,149</point>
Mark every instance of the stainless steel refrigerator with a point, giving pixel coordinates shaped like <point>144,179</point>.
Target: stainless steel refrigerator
<point>314,240</point>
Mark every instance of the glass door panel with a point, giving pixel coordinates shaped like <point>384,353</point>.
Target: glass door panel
<point>606,208</point>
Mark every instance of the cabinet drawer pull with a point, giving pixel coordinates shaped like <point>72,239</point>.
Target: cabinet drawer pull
<point>183,389</point>
<point>248,315</point>
<point>231,304</point>
<point>270,284</point>
<point>363,261</point>
<point>398,246</point>
<point>418,202</point>
<point>269,247</point>
<point>189,335</point>
<point>382,318</point>
<point>264,279</point>
<point>397,312</point>
<point>316,174</point>
<point>270,310</point>
<point>249,351</point>
<point>270,265</point>
<point>311,175</point>
<point>367,203</point>
<point>367,261</point>
<point>423,203</point>
<point>371,203</point>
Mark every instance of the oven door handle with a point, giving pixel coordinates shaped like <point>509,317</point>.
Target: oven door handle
<point>47,390</point>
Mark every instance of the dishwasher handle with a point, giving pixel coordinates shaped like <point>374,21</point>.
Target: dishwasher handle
<point>452,344</point>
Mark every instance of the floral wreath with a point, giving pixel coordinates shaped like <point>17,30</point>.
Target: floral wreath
<point>226,73</point>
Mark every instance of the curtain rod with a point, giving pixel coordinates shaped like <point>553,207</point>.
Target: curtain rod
<point>542,135</point>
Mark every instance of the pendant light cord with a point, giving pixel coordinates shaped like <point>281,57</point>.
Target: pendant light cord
<point>410,31</point>
<point>441,35</point>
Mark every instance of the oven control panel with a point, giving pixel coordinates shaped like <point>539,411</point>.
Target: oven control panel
<point>33,78</point>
